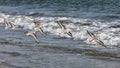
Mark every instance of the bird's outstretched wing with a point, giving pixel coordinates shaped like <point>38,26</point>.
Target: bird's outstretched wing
<point>61,25</point>
<point>32,33</point>
<point>91,34</point>
<point>100,43</point>
<point>35,38</point>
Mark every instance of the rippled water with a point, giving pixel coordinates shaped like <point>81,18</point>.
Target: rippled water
<point>55,50</point>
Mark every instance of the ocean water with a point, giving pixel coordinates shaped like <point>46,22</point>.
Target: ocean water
<point>57,50</point>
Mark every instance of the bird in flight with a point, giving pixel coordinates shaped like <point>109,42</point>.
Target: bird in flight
<point>13,26</point>
<point>32,33</point>
<point>64,29</point>
<point>39,28</point>
<point>7,24</point>
<point>95,39</point>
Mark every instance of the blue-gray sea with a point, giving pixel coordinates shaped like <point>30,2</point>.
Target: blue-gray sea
<point>56,50</point>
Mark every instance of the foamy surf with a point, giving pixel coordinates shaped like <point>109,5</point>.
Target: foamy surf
<point>108,32</point>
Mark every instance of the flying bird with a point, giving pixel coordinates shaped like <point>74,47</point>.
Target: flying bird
<point>32,33</point>
<point>95,39</point>
<point>39,28</point>
<point>13,26</point>
<point>7,24</point>
<point>64,29</point>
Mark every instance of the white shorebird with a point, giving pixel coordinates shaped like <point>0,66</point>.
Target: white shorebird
<point>95,39</point>
<point>32,33</point>
<point>13,26</point>
<point>64,29</point>
<point>39,28</point>
<point>7,24</point>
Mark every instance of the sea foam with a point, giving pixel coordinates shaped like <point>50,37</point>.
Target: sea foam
<point>77,26</point>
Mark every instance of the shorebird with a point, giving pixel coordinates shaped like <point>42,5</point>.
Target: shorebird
<point>39,28</point>
<point>64,29</point>
<point>95,39</point>
<point>13,26</point>
<point>32,33</point>
<point>7,24</point>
